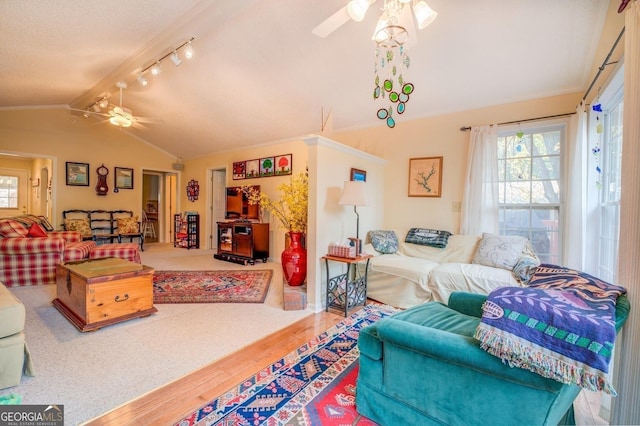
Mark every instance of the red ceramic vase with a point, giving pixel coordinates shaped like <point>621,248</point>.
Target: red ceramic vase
<point>294,260</point>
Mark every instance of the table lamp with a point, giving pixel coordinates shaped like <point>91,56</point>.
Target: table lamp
<point>355,194</point>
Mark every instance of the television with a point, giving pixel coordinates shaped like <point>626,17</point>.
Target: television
<point>238,207</point>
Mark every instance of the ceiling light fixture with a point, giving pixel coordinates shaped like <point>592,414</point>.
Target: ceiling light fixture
<point>156,68</point>
<point>143,81</point>
<point>391,35</point>
<point>175,59</point>
<point>357,9</point>
<point>188,51</point>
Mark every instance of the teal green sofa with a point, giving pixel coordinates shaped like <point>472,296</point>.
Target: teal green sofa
<point>422,366</point>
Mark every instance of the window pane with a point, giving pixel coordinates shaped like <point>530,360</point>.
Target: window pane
<point>546,168</point>
<point>545,192</point>
<point>518,192</point>
<point>518,169</point>
<point>8,192</point>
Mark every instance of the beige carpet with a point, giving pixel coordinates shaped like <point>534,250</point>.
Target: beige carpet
<point>92,373</point>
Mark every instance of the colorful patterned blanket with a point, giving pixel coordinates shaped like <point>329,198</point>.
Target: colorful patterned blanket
<point>561,326</point>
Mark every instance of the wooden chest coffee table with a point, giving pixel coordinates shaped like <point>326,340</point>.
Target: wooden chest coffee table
<point>94,293</point>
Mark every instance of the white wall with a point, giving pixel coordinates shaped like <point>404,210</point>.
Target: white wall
<point>330,166</point>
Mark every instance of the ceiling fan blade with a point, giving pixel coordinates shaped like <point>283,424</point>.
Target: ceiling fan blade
<point>332,23</point>
<point>84,111</point>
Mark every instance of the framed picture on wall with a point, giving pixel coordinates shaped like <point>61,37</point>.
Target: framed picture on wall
<point>123,178</point>
<point>77,174</point>
<point>357,174</point>
<point>425,177</point>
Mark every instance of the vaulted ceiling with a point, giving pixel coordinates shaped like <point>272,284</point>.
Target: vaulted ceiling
<point>259,74</point>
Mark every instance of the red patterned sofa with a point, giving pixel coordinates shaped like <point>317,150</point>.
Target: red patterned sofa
<point>29,254</point>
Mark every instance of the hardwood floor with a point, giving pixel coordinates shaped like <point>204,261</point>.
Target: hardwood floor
<point>174,401</point>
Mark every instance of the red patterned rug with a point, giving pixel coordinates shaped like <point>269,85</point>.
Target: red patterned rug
<point>313,385</point>
<point>235,286</point>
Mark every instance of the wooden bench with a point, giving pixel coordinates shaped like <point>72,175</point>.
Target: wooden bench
<point>101,226</point>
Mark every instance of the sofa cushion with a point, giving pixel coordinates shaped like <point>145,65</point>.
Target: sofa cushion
<point>12,313</point>
<point>385,242</point>
<point>128,225</point>
<point>499,251</point>
<point>80,225</point>
<point>411,268</point>
<point>36,230</point>
<point>10,228</point>
<point>428,237</point>
<point>467,277</point>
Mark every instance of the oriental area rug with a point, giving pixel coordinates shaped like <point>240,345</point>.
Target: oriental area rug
<point>233,286</point>
<point>313,385</point>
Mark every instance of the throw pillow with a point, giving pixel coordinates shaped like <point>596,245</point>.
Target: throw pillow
<point>385,242</point>
<point>499,251</point>
<point>527,264</point>
<point>44,222</point>
<point>128,225</point>
<point>10,228</point>
<point>428,237</point>
<point>80,225</point>
<point>36,231</point>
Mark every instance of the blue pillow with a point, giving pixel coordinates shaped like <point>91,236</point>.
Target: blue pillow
<point>428,237</point>
<point>385,242</point>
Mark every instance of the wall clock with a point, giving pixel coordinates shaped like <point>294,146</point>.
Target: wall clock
<point>193,189</point>
<point>102,188</point>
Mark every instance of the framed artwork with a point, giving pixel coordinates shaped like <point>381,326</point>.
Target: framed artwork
<point>425,177</point>
<point>267,166</point>
<point>357,174</point>
<point>239,170</point>
<point>283,165</point>
<point>253,169</point>
<point>123,178</point>
<point>77,174</point>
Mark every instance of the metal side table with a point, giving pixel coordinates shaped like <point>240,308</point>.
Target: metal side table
<point>349,289</point>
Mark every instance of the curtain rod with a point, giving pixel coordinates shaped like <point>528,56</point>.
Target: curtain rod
<point>467,128</point>
<point>600,69</point>
<point>604,64</point>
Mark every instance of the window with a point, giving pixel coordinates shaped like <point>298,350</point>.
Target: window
<point>529,187</point>
<point>611,188</point>
<point>8,192</point>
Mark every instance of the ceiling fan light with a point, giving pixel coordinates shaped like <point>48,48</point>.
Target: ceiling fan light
<point>121,121</point>
<point>174,58</point>
<point>156,68</point>
<point>357,9</point>
<point>188,51</point>
<point>424,14</point>
<point>379,34</point>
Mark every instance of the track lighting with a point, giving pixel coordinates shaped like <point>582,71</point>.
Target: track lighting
<point>188,51</point>
<point>174,58</point>
<point>156,68</point>
<point>104,102</point>
<point>143,81</point>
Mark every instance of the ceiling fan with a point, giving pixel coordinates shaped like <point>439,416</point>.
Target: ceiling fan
<point>395,16</point>
<point>119,116</point>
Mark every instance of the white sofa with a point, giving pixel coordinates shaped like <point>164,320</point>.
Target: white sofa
<point>417,273</point>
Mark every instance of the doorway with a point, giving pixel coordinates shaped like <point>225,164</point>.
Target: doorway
<point>218,204</point>
<point>158,204</point>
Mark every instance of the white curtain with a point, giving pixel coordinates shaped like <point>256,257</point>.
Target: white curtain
<point>627,371</point>
<point>575,211</point>
<point>480,201</point>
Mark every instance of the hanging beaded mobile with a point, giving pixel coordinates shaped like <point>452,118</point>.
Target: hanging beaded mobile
<point>597,107</point>
<point>397,91</point>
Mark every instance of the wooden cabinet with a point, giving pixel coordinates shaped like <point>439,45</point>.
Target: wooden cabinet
<point>186,231</point>
<point>243,242</point>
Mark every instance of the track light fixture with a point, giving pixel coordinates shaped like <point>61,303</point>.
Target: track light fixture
<point>155,68</point>
<point>143,81</point>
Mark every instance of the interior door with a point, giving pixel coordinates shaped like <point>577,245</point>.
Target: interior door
<point>9,204</point>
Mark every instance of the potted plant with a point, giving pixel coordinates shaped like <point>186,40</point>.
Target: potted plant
<point>291,211</point>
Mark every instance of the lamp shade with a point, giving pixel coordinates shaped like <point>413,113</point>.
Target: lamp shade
<point>354,194</point>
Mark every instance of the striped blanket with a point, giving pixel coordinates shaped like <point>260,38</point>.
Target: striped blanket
<point>561,326</point>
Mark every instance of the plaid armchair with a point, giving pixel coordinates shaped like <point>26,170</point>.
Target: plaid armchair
<point>29,254</point>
